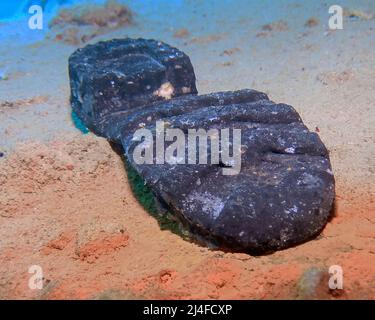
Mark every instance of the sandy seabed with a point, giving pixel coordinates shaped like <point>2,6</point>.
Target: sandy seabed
<point>66,205</point>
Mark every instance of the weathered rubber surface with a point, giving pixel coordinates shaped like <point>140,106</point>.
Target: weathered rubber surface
<point>123,74</point>
<point>284,192</point>
<point>112,125</point>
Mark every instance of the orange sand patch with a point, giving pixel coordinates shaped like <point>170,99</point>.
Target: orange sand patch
<point>67,207</point>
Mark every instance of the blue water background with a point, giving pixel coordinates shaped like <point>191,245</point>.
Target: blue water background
<point>171,13</point>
